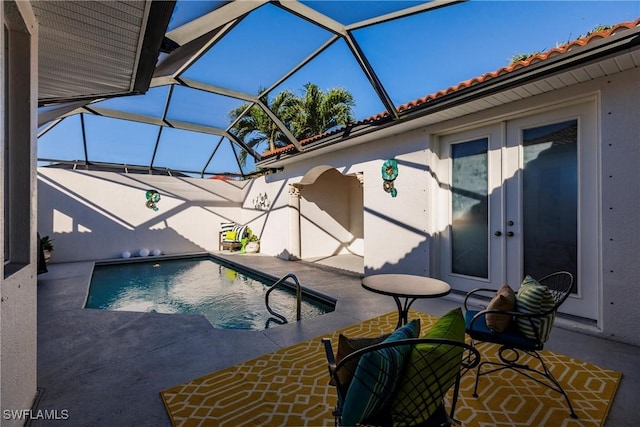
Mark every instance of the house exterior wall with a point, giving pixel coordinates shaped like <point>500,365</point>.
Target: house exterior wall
<point>18,296</point>
<point>620,179</point>
<point>330,213</point>
<point>400,234</point>
<point>395,229</point>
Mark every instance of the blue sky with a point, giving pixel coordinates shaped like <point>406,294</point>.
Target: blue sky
<point>413,57</point>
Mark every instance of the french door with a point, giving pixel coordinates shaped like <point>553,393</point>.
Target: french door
<point>521,198</point>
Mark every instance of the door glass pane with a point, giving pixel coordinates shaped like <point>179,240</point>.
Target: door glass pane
<point>550,199</point>
<point>469,207</point>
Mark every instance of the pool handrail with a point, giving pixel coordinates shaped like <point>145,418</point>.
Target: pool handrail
<point>298,297</point>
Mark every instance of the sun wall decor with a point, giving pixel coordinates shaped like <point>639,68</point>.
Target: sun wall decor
<point>389,174</point>
<point>153,197</point>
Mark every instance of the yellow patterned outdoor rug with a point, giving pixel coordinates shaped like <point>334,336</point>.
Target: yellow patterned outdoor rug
<point>290,388</point>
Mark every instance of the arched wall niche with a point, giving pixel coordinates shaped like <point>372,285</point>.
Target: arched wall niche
<point>331,214</point>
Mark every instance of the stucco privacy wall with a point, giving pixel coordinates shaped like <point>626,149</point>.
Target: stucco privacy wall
<point>100,215</point>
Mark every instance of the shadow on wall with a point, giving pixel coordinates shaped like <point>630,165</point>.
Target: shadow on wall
<point>416,261</point>
<point>331,213</point>
<point>333,193</point>
<point>89,246</point>
<point>83,229</point>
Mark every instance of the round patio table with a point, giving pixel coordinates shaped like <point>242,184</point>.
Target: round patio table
<point>407,287</point>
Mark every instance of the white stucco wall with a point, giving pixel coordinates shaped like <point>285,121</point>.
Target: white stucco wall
<point>18,291</point>
<point>270,224</point>
<point>620,181</point>
<point>331,215</point>
<point>18,317</point>
<point>398,232</point>
<point>395,230</point>
<point>105,213</point>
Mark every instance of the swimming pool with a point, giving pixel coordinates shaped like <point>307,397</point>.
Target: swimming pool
<point>229,297</point>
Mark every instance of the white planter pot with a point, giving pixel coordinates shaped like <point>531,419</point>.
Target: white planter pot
<point>252,247</point>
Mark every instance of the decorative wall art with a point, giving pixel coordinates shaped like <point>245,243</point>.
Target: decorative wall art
<point>261,202</point>
<point>153,197</point>
<point>389,174</point>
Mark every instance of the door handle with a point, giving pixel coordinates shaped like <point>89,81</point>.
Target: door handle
<point>498,233</point>
<point>510,233</point>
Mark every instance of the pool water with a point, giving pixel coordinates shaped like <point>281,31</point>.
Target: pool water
<point>230,299</point>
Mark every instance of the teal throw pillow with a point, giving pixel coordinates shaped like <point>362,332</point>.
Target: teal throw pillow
<point>534,298</point>
<point>346,346</point>
<point>430,372</point>
<point>376,377</point>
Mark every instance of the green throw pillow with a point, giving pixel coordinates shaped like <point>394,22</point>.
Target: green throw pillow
<point>427,360</point>
<point>534,298</point>
<point>376,377</point>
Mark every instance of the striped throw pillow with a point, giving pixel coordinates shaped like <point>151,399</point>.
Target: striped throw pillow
<point>240,230</point>
<point>534,298</point>
<point>226,226</point>
<point>376,377</point>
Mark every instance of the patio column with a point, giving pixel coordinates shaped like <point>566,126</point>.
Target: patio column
<point>294,222</point>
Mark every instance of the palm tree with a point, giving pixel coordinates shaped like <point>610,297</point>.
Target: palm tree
<point>314,113</point>
<point>320,111</point>
<point>256,128</point>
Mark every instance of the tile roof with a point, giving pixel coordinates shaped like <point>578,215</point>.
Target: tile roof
<point>581,41</point>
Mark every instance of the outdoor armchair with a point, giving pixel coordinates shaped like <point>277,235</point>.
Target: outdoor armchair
<point>529,325</point>
<point>231,235</point>
<point>400,383</point>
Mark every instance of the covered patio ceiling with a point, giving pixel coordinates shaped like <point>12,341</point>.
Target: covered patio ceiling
<point>218,56</point>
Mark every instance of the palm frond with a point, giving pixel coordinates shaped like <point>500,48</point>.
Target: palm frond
<point>312,113</point>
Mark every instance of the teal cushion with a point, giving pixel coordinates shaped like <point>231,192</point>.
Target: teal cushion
<point>534,298</point>
<point>376,377</point>
<point>419,395</point>
<point>346,346</point>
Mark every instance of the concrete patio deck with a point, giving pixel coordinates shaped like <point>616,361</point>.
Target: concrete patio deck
<point>107,368</point>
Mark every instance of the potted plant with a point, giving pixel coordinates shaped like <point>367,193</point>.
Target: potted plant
<point>47,247</point>
<point>252,245</point>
